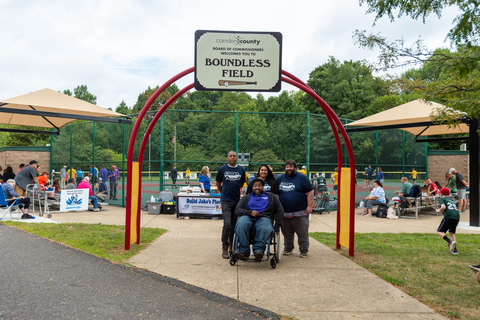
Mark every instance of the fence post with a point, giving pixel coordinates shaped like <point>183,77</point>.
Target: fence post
<point>162,145</point>
<point>93,158</point>
<point>403,153</point>
<point>376,149</point>
<point>426,157</point>
<point>51,149</point>
<point>307,124</point>
<point>123,167</point>
<point>71,152</point>
<point>236,132</point>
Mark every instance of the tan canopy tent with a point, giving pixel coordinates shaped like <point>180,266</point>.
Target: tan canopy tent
<point>415,115</point>
<point>48,108</point>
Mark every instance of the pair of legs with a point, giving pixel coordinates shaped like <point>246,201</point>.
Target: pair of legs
<point>94,201</point>
<point>462,200</point>
<point>369,204</point>
<point>335,187</point>
<point>113,190</point>
<point>451,226</point>
<point>174,181</point>
<point>229,221</point>
<point>292,226</point>
<point>101,196</point>
<point>263,229</point>
<point>24,204</point>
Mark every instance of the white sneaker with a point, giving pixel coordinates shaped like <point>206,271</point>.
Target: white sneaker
<point>452,246</point>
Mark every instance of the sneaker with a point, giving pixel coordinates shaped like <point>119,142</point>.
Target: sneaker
<point>303,255</point>
<point>27,216</point>
<point>287,252</point>
<point>96,210</point>
<point>239,254</point>
<point>475,268</point>
<point>452,246</point>
<point>258,255</point>
<point>455,251</point>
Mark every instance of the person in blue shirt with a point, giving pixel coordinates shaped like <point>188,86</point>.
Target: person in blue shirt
<point>230,180</point>
<point>79,175</point>
<point>296,196</point>
<point>204,180</point>
<point>257,211</point>
<point>10,195</point>
<point>103,173</point>
<point>102,190</point>
<point>112,178</point>
<point>375,198</point>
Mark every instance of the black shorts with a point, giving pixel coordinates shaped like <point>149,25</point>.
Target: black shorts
<point>335,187</point>
<point>448,224</point>
<point>370,178</point>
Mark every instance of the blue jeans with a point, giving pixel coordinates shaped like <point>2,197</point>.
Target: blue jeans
<point>263,227</point>
<point>94,201</point>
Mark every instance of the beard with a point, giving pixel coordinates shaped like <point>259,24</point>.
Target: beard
<point>290,173</point>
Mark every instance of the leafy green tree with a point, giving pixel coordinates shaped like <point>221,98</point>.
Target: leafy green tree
<point>232,101</point>
<point>122,108</point>
<point>81,92</point>
<point>348,88</point>
<point>266,156</point>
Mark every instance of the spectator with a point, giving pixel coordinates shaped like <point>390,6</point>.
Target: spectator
<point>24,202</point>
<point>450,220</point>
<point>187,176</point>
<point>303,171</point>
<point>22,165</point>
<point>56,186</point>
<point>79,175</point>
<point>375,198</point>
<point>63,177</point>
<point>257,211</point>
<point>26,176</point>
<point>432,190</point>
<point>461,190</point>
<point>8,174</point>
<point>103,173</point>
<point>204,180</point>
<point>370,173</point>
<point>266,174</point>
<point>102,190</point>
<point>296,197</point>
<point>414,176</point>
<point>174,175</point>
<point>365,178</point>
<point>93,173</point>
<point>335,183</point>
<point>406,186</point>
<point>71,173</point>
<point>230,179</point>
<point>71,184</point>
<point>85,184</point>
<point>380,175</point>
<point>451,183</point>
<point>44,183</point>
<point>112,178</point>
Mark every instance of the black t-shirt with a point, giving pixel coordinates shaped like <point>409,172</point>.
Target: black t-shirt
<point>173,174</point>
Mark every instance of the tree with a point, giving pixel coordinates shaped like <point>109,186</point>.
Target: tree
<point>81,92</point>
<point>123,108</point>
<point>450,77</point>
<point>348,88</point>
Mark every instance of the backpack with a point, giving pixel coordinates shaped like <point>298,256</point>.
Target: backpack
<point>382,211</point>
<point>415,191</point>
<point>438,185</point>
<point>404,203</point>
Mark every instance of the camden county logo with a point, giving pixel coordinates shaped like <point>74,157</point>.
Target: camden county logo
<point>186,206</point>
<point>74,202</point>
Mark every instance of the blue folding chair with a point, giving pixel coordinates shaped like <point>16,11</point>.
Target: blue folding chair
<point>4,203</point>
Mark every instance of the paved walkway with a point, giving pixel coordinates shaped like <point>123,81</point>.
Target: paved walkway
<point>326,285</point>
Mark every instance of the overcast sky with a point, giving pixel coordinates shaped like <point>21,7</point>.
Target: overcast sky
<point>119,48</point>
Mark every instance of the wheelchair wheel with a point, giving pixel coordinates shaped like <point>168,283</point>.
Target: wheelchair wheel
<point>233,260</point>
<point>49,215</point>
<point>273,262</point>
<point>278,247</point>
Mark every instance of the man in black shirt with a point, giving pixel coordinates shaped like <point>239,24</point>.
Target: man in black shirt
<point>174,174</point>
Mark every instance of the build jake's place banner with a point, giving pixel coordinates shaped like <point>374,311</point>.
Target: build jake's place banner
<point>199,206</point>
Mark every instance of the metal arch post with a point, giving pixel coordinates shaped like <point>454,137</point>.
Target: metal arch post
<point>145,140</point>
<point>131,146</point>
<point>329,112</point>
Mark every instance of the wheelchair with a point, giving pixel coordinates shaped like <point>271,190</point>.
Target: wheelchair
<point>273,251</point>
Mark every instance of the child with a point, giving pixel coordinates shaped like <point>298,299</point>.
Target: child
<point>187,176</point>
<point>56,186</point>
<point>450,219</point>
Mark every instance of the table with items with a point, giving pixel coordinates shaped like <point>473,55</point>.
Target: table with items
<point>193,203</point>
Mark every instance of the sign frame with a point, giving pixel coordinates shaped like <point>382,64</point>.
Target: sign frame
<point>245,63</point>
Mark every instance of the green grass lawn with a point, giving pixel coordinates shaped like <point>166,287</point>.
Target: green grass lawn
<point>104,241</point>
<point>422,266</point>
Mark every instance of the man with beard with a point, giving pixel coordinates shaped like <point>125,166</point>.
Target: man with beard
<point>296,197</point>
<point>256,211</point>
<point>230,179</point>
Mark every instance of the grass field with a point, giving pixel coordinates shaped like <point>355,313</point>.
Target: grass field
<point>422,266</point>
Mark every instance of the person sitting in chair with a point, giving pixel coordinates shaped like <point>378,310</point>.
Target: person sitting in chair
<point>257,211</point>
<point>11,195</point>
<point>85,184</point>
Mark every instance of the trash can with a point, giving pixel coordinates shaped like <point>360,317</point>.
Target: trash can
<point>154,207</point>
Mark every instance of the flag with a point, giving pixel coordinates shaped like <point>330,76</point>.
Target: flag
<point>173,140</point>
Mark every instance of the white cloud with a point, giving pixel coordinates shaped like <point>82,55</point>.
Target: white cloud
<point>119,48</point>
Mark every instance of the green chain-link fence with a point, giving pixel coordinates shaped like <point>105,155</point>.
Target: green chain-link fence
<point>203,138</point>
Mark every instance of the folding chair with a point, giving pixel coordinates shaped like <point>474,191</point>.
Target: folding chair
<point>4,203</point>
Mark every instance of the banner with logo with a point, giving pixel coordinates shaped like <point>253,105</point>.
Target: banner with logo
<point>74,200</point>
<point>199,206</point>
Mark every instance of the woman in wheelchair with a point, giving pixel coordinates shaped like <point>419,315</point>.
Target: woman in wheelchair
<point>256,211</point>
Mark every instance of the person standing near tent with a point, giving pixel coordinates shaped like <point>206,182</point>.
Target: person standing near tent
<point>230,179</point>
<point>26,176</point>
<point>461,190</point>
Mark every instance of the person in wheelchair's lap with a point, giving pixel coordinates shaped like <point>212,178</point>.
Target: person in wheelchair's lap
<point>257,211</point>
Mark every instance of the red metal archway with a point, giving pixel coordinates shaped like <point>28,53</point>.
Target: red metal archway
<point>291,79</point>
